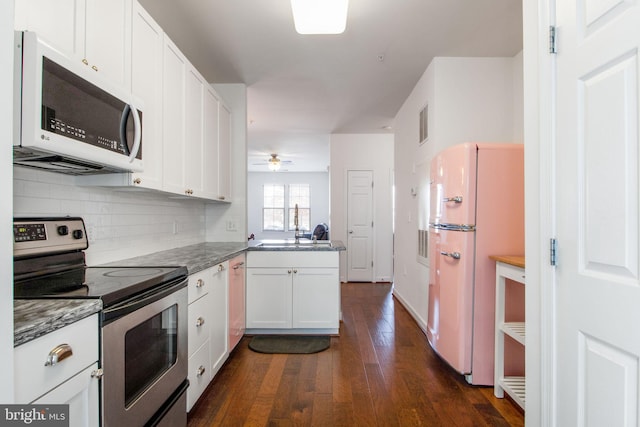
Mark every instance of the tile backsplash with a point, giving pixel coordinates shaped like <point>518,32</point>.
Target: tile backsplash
<point>121,223</point>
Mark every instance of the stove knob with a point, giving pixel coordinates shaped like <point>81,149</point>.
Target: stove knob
<point>78,234</point>
<point>63,230</point>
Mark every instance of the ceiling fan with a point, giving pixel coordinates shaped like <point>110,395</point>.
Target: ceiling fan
<point>274,162</point>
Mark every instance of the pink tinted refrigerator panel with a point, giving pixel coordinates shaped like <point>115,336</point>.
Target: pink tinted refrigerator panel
<point>499,230</point>
<point>453,195</point>
<point>451,292</point>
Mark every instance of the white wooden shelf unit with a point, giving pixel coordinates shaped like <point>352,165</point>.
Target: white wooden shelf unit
<point>514,386</point>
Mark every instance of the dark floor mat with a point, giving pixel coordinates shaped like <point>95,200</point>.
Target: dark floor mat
<point>289,344</point>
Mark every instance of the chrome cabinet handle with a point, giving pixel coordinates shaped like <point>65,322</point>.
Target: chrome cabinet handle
<point>289,271</point>
<point>201,370</point>
<point>220,267</point>
<point>456,199</point>
<point>199,322</point>
<point>94,68</point>
<point>295,271</point>
<point>454,255</point>
<point>199,283</point>
<point>58,354</point>
<point>238,265</point>
<point>137,181</point>
<point>98,373</point>
<point>85,62</point>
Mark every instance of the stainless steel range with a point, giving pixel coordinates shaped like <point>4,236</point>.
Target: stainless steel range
<point>143,322</point>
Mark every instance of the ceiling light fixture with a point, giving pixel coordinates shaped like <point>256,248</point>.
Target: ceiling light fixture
<point>320,16</point>
<point>274,163</point>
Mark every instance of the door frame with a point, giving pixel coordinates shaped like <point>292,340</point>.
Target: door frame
<point>540,226</point>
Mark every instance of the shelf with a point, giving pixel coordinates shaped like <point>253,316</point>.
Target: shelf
<point>515,330</point>
<point>515,388</point>
<point>507,268</point>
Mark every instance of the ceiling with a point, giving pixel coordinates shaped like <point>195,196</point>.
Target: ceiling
<point>302,88</point>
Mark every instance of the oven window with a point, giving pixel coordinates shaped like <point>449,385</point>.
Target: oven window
<point>151,348</point>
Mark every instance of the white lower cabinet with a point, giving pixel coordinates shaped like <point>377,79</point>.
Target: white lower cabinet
<point>207,328</point>
<point>293,290</point>
<point>218,313</point>
<point>72,380</point>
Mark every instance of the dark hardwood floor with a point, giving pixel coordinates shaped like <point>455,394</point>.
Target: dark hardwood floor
<point>380,371</point>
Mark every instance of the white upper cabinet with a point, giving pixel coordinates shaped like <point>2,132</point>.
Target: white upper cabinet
<point>146,84</point>
<point>174,67</point>
<point>108,39</point>
<point>95,32</point>
<point>211,127</point>
<point>194,133</point>
<point>224,153</point>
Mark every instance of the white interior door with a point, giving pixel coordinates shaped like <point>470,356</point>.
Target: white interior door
<point>598,287</point>
<point>360,226</point>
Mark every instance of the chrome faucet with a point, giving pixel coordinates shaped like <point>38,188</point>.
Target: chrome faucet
<point>295,222</point>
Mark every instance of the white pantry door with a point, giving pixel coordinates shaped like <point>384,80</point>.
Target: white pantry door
<point>598,277</point>
<point>360,226</point>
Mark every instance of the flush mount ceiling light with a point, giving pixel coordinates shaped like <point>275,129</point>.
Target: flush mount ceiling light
<point>274,163</point>
<point>320,16</point>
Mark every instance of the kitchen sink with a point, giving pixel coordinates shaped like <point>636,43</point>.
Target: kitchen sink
<point>292,243</point>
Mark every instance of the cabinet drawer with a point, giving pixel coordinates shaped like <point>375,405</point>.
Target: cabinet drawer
<point>33,378</point>
<point>199,374</point>
<point>199,284</point>
<point>199,323</point>
<point>292,258</point>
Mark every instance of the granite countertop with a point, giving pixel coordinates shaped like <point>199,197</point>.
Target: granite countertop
<point>290,245</point>
<point>36,317</point>
<point>196,257</point>
<point>33,318</point>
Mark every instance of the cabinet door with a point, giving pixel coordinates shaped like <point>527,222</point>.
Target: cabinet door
<point>107,39</point>
<point>200,323</point>
<point>218,314</point>
<point>224,153</point>
<point>60,23</point>
<point>236,300</point>
<point>211,160</point>
<point>269,298</point>
<point>316,298</point>
<point>81,393</point>
<point>193,143</point>
<point>173,120</point>
<point>146,84</point>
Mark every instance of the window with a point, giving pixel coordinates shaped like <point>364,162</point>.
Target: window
<point>278,208</point>
<point>299,194</point>
<point>273,207</point>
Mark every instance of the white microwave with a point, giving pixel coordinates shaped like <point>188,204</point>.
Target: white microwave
<point>67,118</point>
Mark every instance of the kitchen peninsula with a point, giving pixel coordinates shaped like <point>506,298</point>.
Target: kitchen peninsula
<point>293,287</point>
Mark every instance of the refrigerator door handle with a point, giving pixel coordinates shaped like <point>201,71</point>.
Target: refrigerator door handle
<point>454,255</point>
<point>456,199</point>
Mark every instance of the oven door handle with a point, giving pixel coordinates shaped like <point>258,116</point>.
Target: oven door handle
<point>123,308</point>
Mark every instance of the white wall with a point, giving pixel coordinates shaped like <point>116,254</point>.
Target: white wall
<point>319,188</point>
<point>6,209</point>
<point>364,152</point>
<point>470,99</point>
<point>227,222</point>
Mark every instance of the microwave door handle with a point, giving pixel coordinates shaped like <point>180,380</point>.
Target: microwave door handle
<point>137,131</point>
<point>137,128</point>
